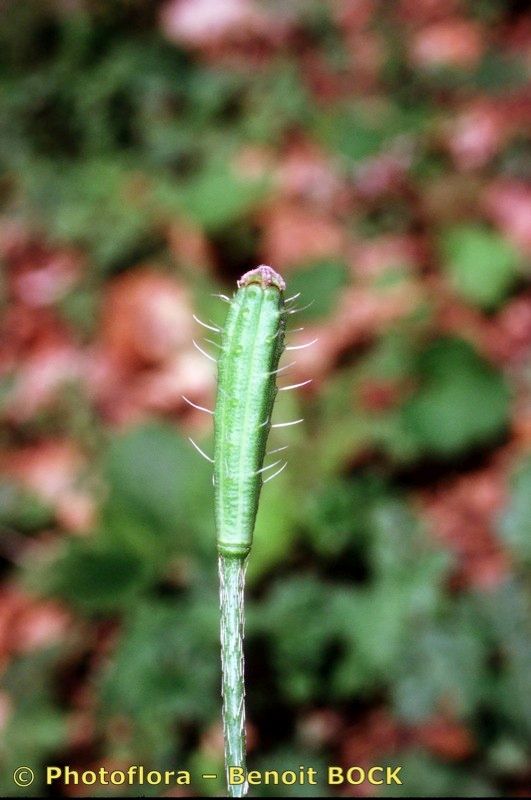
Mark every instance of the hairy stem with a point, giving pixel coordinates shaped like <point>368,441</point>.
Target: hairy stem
<point>231,591</point>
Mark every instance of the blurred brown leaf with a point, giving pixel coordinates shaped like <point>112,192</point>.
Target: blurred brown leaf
<point>461,515</point>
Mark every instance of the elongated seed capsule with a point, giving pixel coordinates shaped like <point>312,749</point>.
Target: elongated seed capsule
<point>252,343</point>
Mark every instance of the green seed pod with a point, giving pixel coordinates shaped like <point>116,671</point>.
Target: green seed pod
<point>252,343</point>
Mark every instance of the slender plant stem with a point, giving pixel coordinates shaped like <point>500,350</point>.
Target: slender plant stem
<point>231,591</point>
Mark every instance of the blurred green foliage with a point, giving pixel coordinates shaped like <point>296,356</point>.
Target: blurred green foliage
<point>159,503</point>
<point>323,283</point>
<point>482,265</point>
<point>515,519</point>
<point>461,402</point>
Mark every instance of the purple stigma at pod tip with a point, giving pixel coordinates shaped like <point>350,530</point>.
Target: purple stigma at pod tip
<point>264,275</point>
